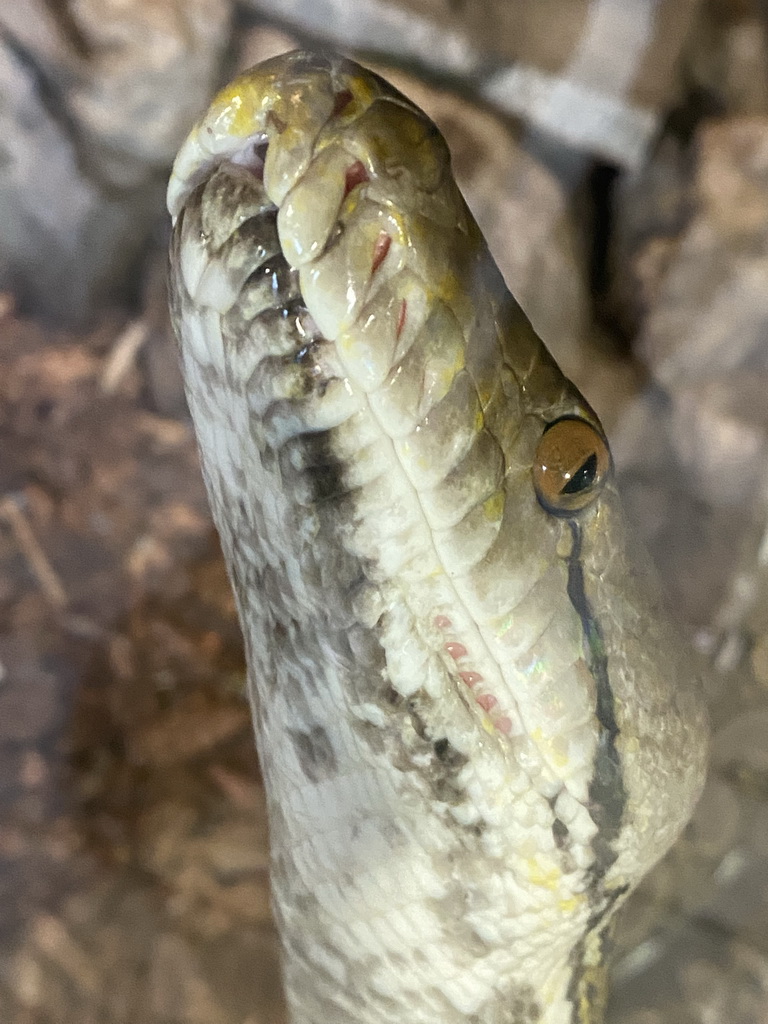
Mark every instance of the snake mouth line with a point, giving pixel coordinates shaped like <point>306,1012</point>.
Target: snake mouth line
<point>328,477</point>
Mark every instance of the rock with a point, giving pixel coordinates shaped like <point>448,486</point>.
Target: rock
<point>693,229</point>
<point>727,59</point>
<point>599,82</point>
<point>92,108</point>
<point>260,43</point>
<point>433,37</point>
<point>694,232</point>
<point>65,246</point>
<point>704,337</point>
<point>153,65</point>
<point>718,980</point>
<point>602,82</point>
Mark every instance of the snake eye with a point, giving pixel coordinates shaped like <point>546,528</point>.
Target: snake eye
<point>571,465</point>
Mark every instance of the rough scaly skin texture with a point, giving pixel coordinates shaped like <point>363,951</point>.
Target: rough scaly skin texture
<point>477,729</point>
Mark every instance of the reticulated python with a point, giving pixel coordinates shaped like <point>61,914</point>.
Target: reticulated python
<point>478,730</point>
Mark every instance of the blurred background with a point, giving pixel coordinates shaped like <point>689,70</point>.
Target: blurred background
<point>615,153</point>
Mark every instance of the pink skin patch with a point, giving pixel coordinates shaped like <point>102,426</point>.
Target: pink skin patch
<point>356,175</point>
<point>456,650</point>
<point>380,250</point>
<point>487,701</point>
<point>401,319</point>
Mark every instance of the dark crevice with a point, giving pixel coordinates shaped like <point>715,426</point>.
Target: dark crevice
<point>600,191</point>
<point>699,105</point>
<point>601,183</point>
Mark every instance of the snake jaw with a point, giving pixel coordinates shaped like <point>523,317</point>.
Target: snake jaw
<point>445,709</point>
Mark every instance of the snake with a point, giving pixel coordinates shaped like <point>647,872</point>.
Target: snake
<point>477,726</point>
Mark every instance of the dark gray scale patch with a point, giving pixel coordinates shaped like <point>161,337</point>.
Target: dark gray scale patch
<point>177,293</point>
<point>276,379</point>
<point>562,838</point>
<point>310,470</point>
<point>325,481</point>
<point>231,196</point>
<point>273,286</point>
<point>560,834</point>
<point>250,246</point>
<point>315,753</point>
<point>525,1010</point>
<point>315,479</point>
<point>271,317</point>
<point>448,754</point>
<point>446,762</point>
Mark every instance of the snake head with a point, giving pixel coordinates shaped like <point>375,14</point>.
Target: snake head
<point>477,726</point>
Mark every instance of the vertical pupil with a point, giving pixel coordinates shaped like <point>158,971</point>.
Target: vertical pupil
<point>583,477</point>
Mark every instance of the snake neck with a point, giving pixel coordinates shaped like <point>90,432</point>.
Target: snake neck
<point>409,882</point>
<point>395,893</point>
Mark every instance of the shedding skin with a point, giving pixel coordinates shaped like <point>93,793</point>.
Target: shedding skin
<point>477,727</point>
